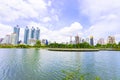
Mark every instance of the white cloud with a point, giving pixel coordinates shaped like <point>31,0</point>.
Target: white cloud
<point>8,30</point>
<point>38,4</point>
<point>97,8</point>
<point>5,30</point>
<point>62,35</point>
<point>46,19</point>
<point>104,16</point>
<point>56,18</point>
<point>73,28</point>
<point>49,3</point>
<point>15,9</point>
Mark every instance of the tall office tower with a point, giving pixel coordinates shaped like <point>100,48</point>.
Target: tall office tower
<point>32,33</point>
<point>26,35</point>
<point>77,41</point>
<point>91,40</point>
<point>101,41</point>
<point>70,39</point>
<point>37,33</point>
<point>17,30</point>
<point>111,40</point>
<point>14,39</point>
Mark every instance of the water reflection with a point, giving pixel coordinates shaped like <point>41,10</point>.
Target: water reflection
<point>30,63</point>
<point>39,64</point>
<point>88,65</point>
<point>108,65</point>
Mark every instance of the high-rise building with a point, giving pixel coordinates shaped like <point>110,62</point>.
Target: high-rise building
<point>80,40</point>
<point>44,42</point>
<point>111,40</point>
<point>77,41</point>
<point>101,41</point>
<point>71,40</point>
<point>13,39</point>
<point>91,40</point>
<point>32,33</point>
<point>87,40</point>
<point>37,33</point>
<point>1,39</point>
<point>26,35</point>
<point>17,30</point>
<point>83,40</point>
<point>6,40</point>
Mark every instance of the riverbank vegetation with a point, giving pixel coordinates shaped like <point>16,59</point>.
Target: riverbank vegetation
<point>80,45</point>
<point>36,45</point>
<point>60,45</point>
<point>85,45</point>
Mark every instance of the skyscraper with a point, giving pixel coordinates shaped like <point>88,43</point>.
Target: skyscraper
<point>91,40</point>
<point>26,35</point>
<point>71,40</point>
<point>77,41</point>
<point>37,33</point>
<point>13,38</point>
<point>16,31</point>
<point>111,40</point>
<point>101,41</point>
<point>32,33</point>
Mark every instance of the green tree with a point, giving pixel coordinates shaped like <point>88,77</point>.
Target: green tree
<point>38,44</point>
<point>22,46</point>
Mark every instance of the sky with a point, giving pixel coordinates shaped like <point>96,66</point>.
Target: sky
<point>60,19</point>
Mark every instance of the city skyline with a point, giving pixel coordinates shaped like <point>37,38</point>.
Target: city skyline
<point>33,34</point>
<point>58,20</point>
<point>30,36</point>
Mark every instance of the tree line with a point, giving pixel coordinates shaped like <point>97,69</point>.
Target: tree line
<point>83,45</point>
<point>36,45</point>
<point>61,45</point>
<point>80,45</point>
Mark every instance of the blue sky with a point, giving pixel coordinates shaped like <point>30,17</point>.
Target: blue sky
<point>60,19</point>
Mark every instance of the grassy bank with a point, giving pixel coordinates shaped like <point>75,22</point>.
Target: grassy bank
<point>73,49</point>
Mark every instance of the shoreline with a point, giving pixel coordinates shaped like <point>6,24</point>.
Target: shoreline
<point>73,49</point>
<point>70,49</point>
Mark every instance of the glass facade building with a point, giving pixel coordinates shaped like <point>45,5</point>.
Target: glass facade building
<point>32,33</point>
<point>37,33</point>
<point>17,31</point>
<point>26,35</point>
<point>91,41</point>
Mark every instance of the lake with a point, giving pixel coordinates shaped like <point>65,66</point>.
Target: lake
<point>41,64</point>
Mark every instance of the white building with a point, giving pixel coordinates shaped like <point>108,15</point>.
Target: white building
<point>87,40</point>
<point>13,38</point>
<point>32,42</point>
<point>6,40</point>
<point>111,40</point>
<point>101,41</point>
<point>10,39</point>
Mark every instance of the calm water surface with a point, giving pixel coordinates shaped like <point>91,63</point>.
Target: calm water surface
<point>40,64</point>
